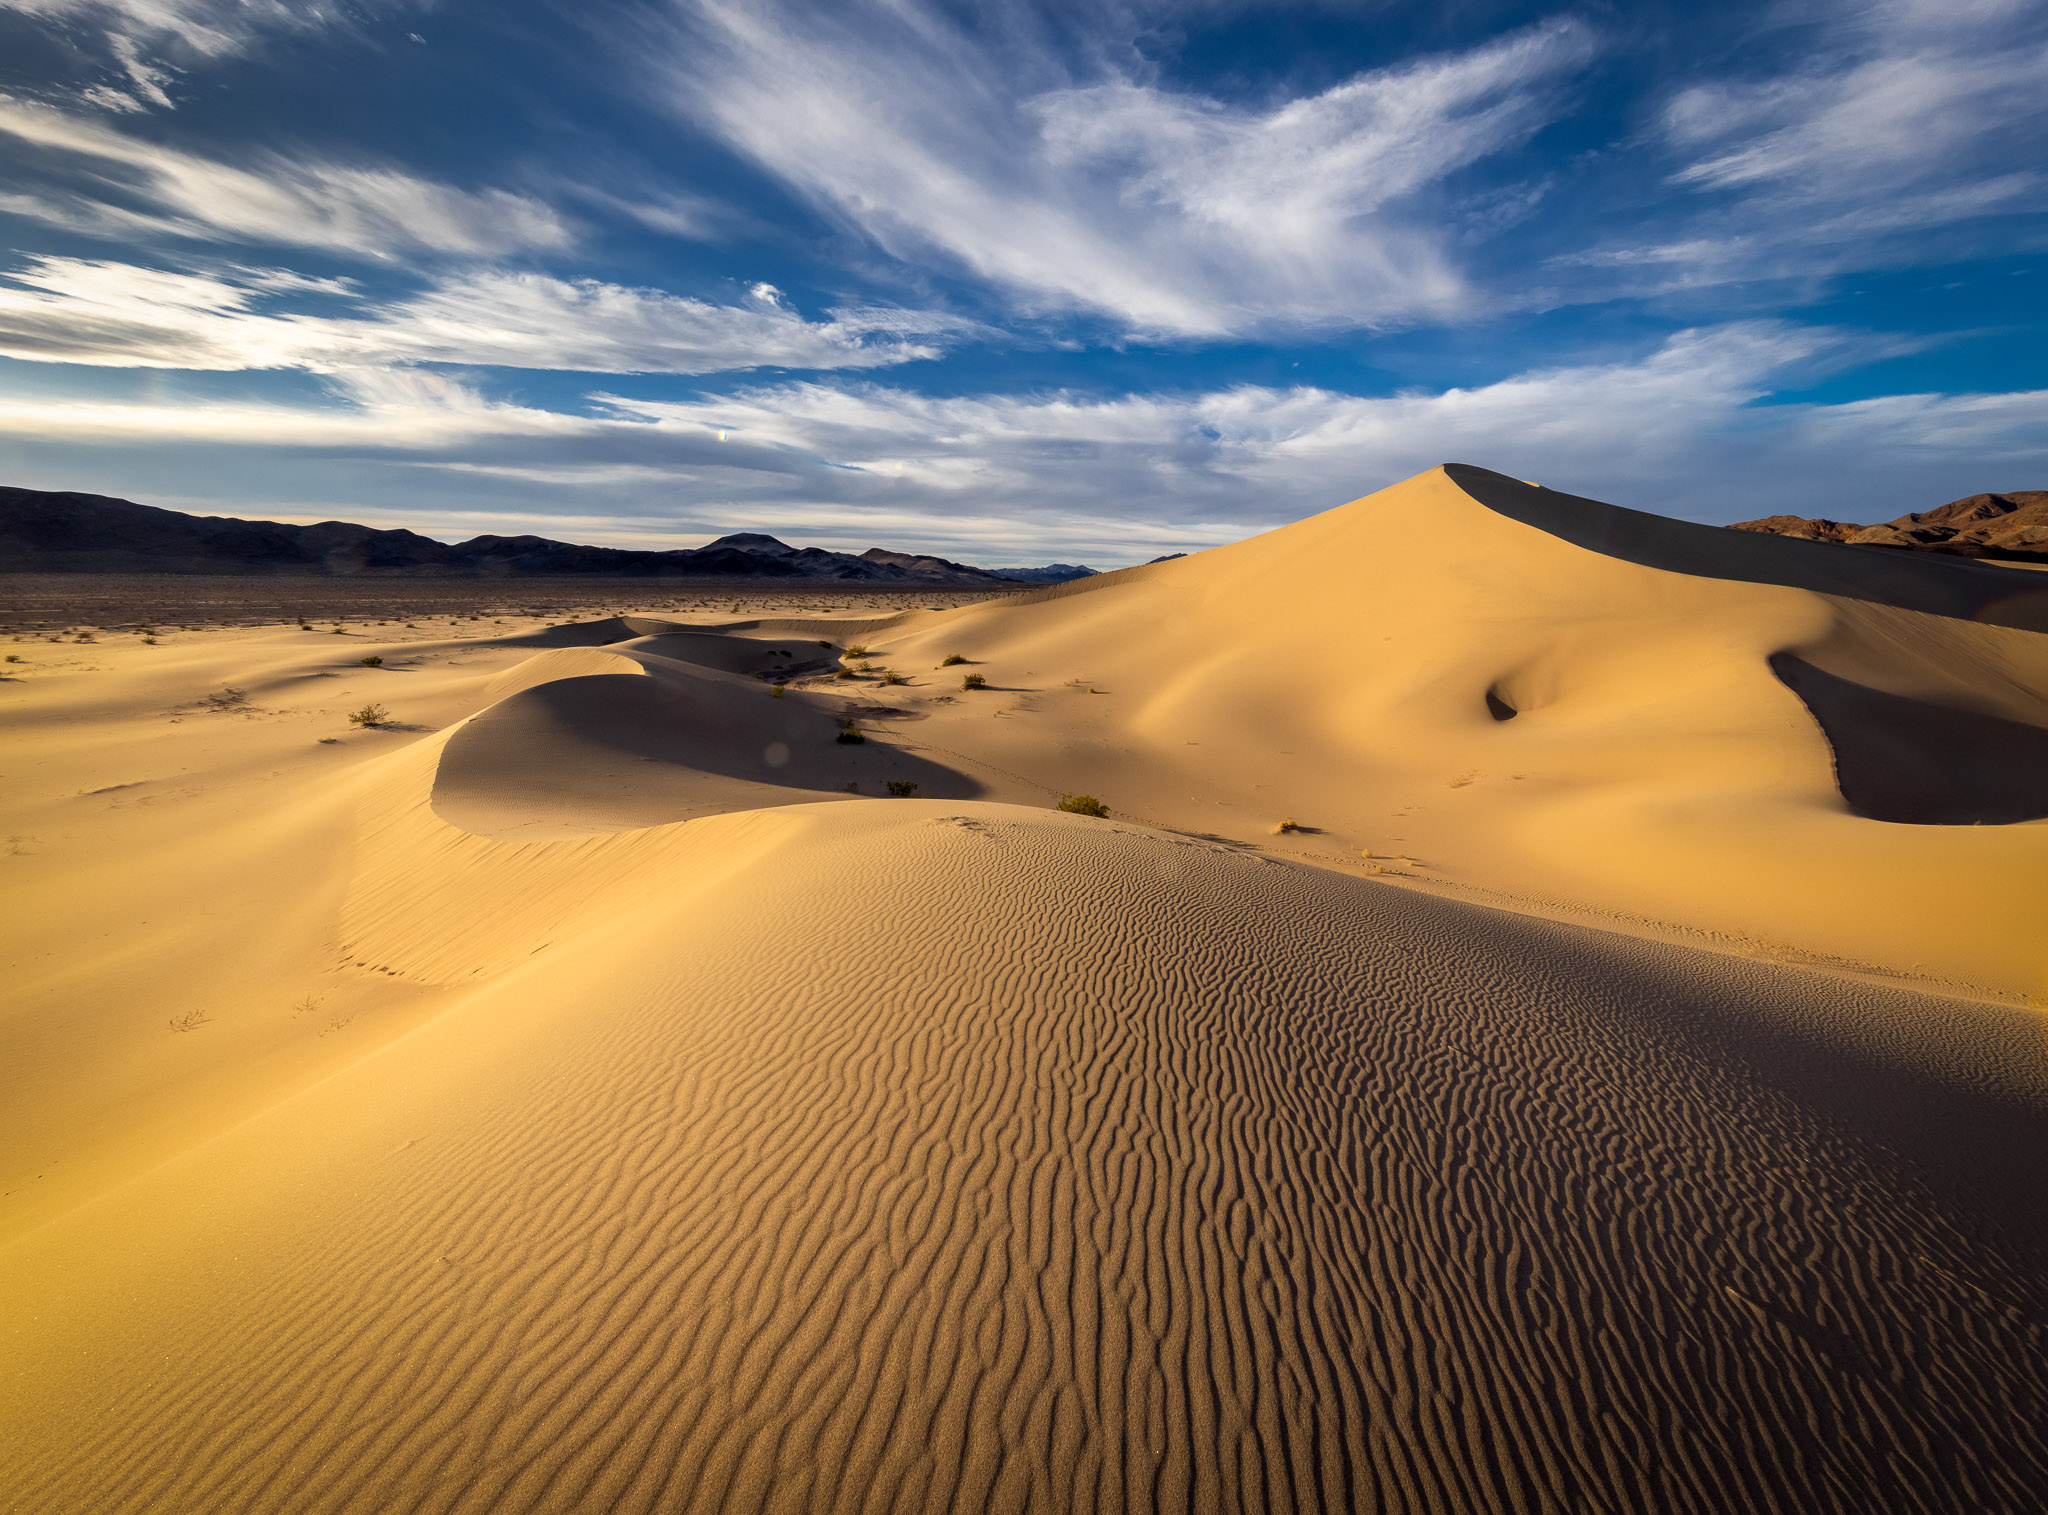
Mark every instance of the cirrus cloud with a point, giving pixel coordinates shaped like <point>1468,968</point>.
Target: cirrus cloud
<point>118,315</point>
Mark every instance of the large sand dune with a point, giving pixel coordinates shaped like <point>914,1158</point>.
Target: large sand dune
<point>593,1117</point>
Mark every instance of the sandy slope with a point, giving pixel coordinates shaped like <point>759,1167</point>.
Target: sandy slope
<point>946,1153</point>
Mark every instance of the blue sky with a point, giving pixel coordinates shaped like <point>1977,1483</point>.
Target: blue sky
<point>1088,281</point>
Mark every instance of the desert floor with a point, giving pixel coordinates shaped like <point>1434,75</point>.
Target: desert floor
<point>1552,1020</point>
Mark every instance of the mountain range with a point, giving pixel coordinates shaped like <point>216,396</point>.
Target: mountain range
<point>45,531</point>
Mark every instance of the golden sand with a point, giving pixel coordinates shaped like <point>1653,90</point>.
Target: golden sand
<point>592,1091</point>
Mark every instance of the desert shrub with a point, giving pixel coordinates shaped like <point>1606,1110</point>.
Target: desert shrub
<point>974,681</point>
<point>85,636</point>
<point>369,715</point>
<point>1284,827</point>
<point>892,678</point>
<point>149,641</point>
<point>863,667</point>
<point>14,657</point>
<point>228,698</point>
<point>778,692</point>
<point>856,650</point>
<point>848,732</point>
<point>338,631</point>
<point>1083,804</point>
<point>903,789</point>
<point>373,661</point>
<point>191,1020</point>
<point>826,645</point>
<point>951,659</point>
<point>844,673</point>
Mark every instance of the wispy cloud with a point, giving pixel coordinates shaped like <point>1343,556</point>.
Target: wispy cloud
<point>1167,211</point>
<point>117,185</point>
<point>1909,114</point>
<point>1679,430</point>
<point>105,314</point>
<point>148,44</point>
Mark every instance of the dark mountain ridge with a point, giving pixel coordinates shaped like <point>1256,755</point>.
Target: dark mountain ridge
<point>45,531</point>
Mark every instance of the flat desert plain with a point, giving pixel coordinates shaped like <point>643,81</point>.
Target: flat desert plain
<point>1552,1020</point>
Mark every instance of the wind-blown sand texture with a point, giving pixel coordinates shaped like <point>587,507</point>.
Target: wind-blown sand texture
<point>594,1106</point>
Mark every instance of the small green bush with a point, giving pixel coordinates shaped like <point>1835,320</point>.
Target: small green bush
<point>903,789</point>
<point>844,673</point>
<point>850,733</point>
<point>951,659</point>
<point>373,661</point>
<point>974,681</point>
<point>778,692</point>
<point>1084,804</point>
<point>369,716</point>
<point>892,678</point>
<point>1286,826</point>
<point>856,650</point>
<point>14,657</point>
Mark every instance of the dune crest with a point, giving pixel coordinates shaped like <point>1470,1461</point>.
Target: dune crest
<point>714,1205</point>
<point>713,1140</point>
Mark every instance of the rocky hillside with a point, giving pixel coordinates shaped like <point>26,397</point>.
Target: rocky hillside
<point>2013,527</point>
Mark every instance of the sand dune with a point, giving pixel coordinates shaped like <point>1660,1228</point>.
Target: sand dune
<point>673,1130</point>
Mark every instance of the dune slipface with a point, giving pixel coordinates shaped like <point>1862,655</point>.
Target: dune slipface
<point>687,1142</point>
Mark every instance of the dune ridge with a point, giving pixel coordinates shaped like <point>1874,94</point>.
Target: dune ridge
<point>712,1135</point>
<point>679,1218</point>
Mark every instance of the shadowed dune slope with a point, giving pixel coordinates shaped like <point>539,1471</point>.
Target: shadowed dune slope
<point>1351,671</point>
<point>960,1157</point>
<point>614,751</point>
<point>1932,586</point>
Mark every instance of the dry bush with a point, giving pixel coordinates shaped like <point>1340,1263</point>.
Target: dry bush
<point>1084,804</point>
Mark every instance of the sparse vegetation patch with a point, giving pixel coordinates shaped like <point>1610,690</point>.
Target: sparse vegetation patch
<point>373,661</point>
<point>370,717</point>
<point>974,681</point>
<point>1084,804</point>
<point>903,789</point>
<point>952,658</point>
